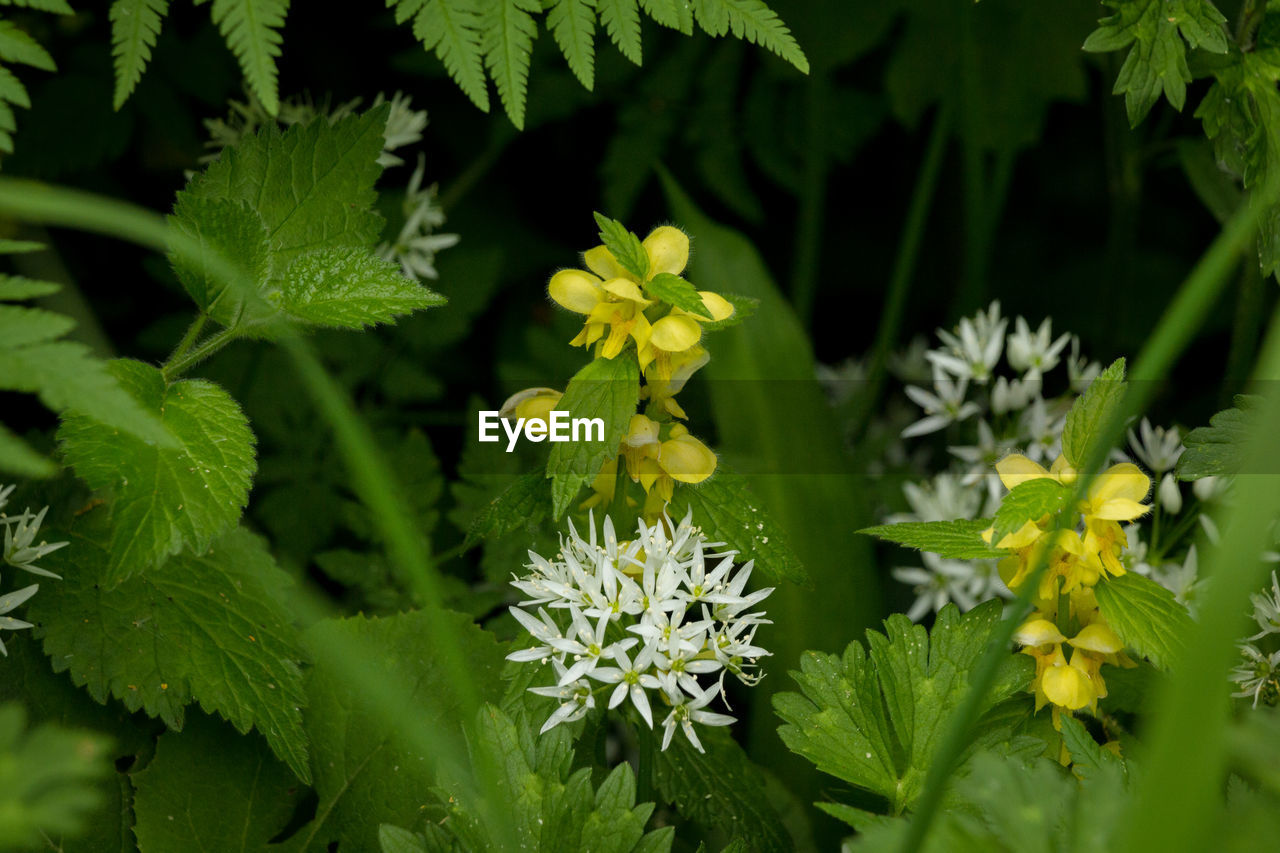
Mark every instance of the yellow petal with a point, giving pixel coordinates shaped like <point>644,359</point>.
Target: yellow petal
<point>1017,469</point>
<point>1038,632</point>
<point>576,290</point>
<point>1022,537</point>
<point>641,431</point>
<point>675,334</point>
<point>531,402</point>
<point>668,250</point>
<point>1119,509</point>
<point>601,262</point>
<point>1068,687</point>
<point>1062,471</point>
<point>1120,482</point>
<point>641,331</point>
<point>626,289</point>
<point>686,459</point>
<point>717,306</point>
<point>1097,637</point>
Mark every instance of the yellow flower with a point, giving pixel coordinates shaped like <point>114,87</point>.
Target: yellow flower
<point>1069,686</point>
<point>657,465</point>
<point>615,304</point>
<point>532,404</point>
<point>1115,496</point>
<point>662,392</point>
<point>1015,470</point>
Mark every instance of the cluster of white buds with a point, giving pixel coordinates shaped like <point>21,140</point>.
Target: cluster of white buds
<point>658,613</point>
<point>21,552</point>
<point>1258,676</point>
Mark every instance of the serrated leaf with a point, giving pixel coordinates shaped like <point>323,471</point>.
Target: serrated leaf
<point>252,30</point>
<point>754,22</point>
<point>573,25</point>
<point>1029,501</point>
<point>1145,616</point>
<point>47,784</point>
<point>675,14</point>
<point>726,509</point>
<point>526,501</point>
<point>625,246</point>
<point>207,628</point>
<point>17,46</point>
<point>165,499</point>
<point>1218,449</point>
<point>366,771</point>
<point>621,19</point>
<point>606,388</point>
<point>351,289</point>
<point>1087,755</point>
<point>508,30</point>
<point>16,287</point>
<point>875,720</point>
<point>225,232</point>
<point>720,789</point>
<point>135,25</point>
<point>674,290</point>
<point>955,540</point>
<point>209,788</point>
<point>1091,412</point>
<point>452,29</point>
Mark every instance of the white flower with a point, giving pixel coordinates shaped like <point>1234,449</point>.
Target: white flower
<point>942,581</point>
<point>620,595</point>
<point>404,127</point>
<point>841,381</point>
<point>1210,488</point>
<point>1182,579</point>
<point>1259,674</point>
<point>687,711</point>
<point>1156,447</point>
<point>1012,395</point>
<point>973,351</point>
<point>8,602</point>
<point>19,533</point>
<point>981,459</point>
<point>945,405</point>
<point>1042,431</point>
<point>1080,371</point>
<point>1035,352</point>
<point>416,245</point>
<point>944,498</point>
<point>1170,494</point>
<point>1266,610</point>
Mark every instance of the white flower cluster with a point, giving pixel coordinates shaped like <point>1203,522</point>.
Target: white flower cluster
<point>1259,675</point>
<point>21,552</point>
<point>657,613</point>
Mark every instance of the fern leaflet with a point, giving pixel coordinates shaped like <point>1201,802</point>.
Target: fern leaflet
<point>621,19</point>
<point>452,29</point>
<point>573,24</point>
<point>252,31</point>
<point>508,32</point>
<point>135,24</point>
<point>752,21</point>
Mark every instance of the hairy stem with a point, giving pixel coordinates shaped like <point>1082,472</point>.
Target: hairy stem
<point>181,362</point>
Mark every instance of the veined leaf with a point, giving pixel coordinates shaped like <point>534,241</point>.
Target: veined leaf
<point>1029,501</point>
<point>1145,616</point>
<point>625,246</point>
<point>956,540</point>
<point>252,30</point>
<point>165,499</point>
<point>524,502</point>
<point>508,30</point>
<point>226,232</point>
<point>875,720</point>
<point>674,290</point>
<point>350,288</point>
<point>753,21</point>
<point>606,388</point>
<point>204,628</point>
<point>1091,411</point>
<point>135,25</point>
<point>1218,449</point>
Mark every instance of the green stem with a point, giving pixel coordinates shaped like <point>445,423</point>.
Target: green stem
<point>180,362</point>
<point>904,266</point>
<point>1245,328</point>
<point>813,199</point>
<point>192,335</point>
<point>1170,338</point>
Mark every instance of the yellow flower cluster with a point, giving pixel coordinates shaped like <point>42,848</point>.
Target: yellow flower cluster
<point>657,464</point>
<point>1066,611</point>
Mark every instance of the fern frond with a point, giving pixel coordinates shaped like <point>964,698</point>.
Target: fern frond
<point>135,25</point>
<point>452,29</point>
<point>17,46</point>
<point>573,24</point>
<point>621,19</point>
<point>508,30</point>
<point>57,7</point>
<point>753,21</point>
<point>675,14</point>
<point>252,31</point>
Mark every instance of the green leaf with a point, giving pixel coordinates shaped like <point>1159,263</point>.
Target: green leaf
<point>1218,449</point>
<point>508,30</point>
<point>1031,500</point>
<point>720,789</point>
<point>625,246</point>
<point>675,14</point>
<point>252,30</point>
<point>352,289</point>
<point>549,808</point>
<point>955,540</point>
<point>1145,616</point>
<point>66,376</point>
<point>1087,755</point>
<point>204,628</point>
<point>312,185</point>
<point>526,501</point>
<point>726,509</point>
<point>16,287</point>
<point>753,21</point>
<point>20,460</point>
<point>674,290</point>
<point>225,232</point>
<point>165,499</point>
<point>573,25</point>
<point>452,29</point>
<point>875,720</point>
<point>209,788</point>
<point>621,18</point>
<point>366,771</point>
<point>393,839</point>
<point>1091,411</point>
<point>135,25</point>
<point>1157,61</point>
<point>18,47</point>
<point>47,778</point>
<point>606,388</point>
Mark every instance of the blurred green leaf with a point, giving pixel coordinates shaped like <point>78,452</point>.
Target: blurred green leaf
<point>1218,449</point>
<point>956,540</point>
<point>1031,500</point>
<point>1145,616</point>
<point>1091,412</point>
